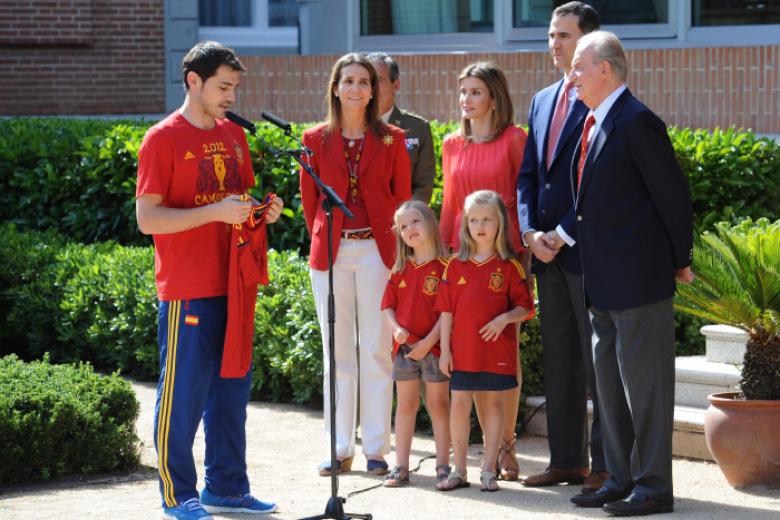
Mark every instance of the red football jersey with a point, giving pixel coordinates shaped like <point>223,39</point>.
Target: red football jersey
<point>475,293</point>
<point>191,167</point>
<point>412,294</point>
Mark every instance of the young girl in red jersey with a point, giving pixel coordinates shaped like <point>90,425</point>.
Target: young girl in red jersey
<point>483,295</point>
<point>408,307</point>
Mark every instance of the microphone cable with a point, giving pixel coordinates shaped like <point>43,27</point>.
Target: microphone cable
<point>433,456</point>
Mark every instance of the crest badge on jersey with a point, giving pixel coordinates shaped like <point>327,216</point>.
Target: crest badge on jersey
<point>431,285</point>
<point>496,282</point>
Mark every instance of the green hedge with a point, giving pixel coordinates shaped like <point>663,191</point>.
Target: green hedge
<point>78,176</point>
<point>93,302</point>
<point>97,303</point>
<point>58,420</point>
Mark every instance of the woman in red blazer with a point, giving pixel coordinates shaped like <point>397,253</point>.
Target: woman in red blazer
<point>366,163</point>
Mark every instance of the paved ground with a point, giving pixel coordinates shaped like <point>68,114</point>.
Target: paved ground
<point>286,444</point>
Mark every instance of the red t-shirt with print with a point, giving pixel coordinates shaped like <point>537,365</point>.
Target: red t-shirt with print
<point>192,167</point>
<point>412,294</point>
<point>475,293</point>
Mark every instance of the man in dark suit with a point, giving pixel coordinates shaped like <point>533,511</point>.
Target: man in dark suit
<point>545,204</point>
<point>634,228</point>
<point>419,141</point>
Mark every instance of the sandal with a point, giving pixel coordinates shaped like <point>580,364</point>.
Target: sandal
<point>377,467</point>
<point>511,470</point>
<point>442,472</point>
<point>454,481</point>
<point>399,477</point>
<point>342,466</point>
<point>488,479</point>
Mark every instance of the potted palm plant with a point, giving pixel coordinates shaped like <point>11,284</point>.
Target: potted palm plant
<point>738,283</point>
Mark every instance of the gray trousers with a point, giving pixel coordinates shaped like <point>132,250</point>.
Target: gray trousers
<point>633,353</point>
<point>568,371</point>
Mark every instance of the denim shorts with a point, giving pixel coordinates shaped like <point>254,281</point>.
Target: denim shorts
<point>426,369</point>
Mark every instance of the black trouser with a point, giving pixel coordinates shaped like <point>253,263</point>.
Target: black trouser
<point>568,370</point>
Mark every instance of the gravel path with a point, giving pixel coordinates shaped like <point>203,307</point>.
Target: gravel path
<point>285,444</point>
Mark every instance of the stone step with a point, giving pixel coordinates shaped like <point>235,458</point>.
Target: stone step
<point>687,440</point>
<point>696,378</point>
<point>724,343</point>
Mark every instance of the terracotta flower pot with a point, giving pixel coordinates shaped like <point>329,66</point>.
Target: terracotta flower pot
<point>743,437</point>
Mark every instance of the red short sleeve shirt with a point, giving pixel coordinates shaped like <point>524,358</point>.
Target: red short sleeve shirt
<point>191,167</point>
<point>412,295</point>
<point>475,293</point>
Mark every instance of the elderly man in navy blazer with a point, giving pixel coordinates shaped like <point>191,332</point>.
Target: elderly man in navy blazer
<point>545,203</point>
<point>634,228</point>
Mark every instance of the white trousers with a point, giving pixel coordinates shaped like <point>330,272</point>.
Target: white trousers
<point>359,279</point>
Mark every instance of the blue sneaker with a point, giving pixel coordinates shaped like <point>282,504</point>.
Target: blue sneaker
<point>239,504</point>
<point>189,510</point>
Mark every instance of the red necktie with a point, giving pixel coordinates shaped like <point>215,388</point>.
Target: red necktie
<point>589,122</point>
<point>559,118</point>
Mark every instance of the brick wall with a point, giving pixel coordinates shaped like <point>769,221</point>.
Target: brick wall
<point>702,87</point>
<point>81,57</point>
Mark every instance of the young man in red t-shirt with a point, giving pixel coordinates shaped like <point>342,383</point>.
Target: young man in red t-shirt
<point>193,167</point>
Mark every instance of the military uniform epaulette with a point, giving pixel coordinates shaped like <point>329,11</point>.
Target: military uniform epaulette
<point>413,115</point>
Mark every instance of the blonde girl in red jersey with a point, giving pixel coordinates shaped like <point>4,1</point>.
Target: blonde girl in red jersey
<point>483,295</point>
<point>408,308</point>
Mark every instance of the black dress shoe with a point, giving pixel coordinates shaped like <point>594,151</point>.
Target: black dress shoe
<point>638,505</point>
<point>599,498</point>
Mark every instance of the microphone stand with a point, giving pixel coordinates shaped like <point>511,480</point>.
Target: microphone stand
<point>335,506</point>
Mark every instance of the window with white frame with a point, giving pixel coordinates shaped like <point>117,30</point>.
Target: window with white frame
<point>626,18</point>
<point>264,24</point>
<point>419,26</point>
<point>385,17</point>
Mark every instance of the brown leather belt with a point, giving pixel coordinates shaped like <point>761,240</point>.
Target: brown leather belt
<point>357,234</point>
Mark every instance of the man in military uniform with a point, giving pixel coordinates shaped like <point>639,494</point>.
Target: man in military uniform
<point>419,142</point>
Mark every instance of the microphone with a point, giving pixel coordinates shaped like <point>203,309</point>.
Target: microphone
<point>276,121</point>
<point>240,121</point>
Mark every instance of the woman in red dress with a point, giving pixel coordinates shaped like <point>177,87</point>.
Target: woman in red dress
<point>366,163</point>
<point>485,154</point>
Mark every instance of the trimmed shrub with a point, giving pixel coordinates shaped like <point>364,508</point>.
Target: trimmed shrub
<point>78,176</point>
<point>58,420</point>
<point>288,345</point>
<point>97,303</point>
<point>731,173</point>
<point>94,302</point>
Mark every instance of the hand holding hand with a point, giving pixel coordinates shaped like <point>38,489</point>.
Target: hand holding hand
<point>539,246</point>
<point>554,240</point>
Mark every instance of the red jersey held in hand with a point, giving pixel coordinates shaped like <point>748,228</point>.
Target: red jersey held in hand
<point>248,268</point>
